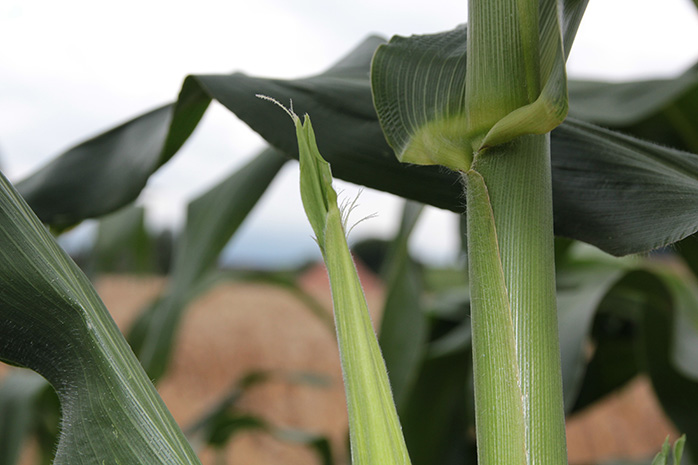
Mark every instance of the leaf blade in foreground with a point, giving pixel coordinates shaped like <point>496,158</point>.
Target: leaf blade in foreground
<point>52,321</point>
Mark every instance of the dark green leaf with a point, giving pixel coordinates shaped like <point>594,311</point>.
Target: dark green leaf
<point>346,126</point>
<point>438,419</point>
<point>108,171</point>
<point>614,361</point>
<point>607,189</point>
<point>403,327</point>
<point>595,199</point>
<point>677,393</point>
<point>52,321</point>
<point>580,290</point>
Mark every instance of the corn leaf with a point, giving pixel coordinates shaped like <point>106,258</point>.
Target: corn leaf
<point>440,430</point>
<point>498,380</point>
<point>212,219</point>
<point>108,171</point>
<point>374,428</point>
<point>578,297</point>
<point>123,243</point>
<point>83,183</point>
<point>677,393</point>
<point>614,361</point>
<point>619,185</point>
<point>52,321</point>
<point>420,94</point>
<point>661,110</point>
<point>403,328</point>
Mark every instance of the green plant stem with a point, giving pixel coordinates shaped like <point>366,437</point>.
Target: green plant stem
<point>499,414</point>
<point>502,60</point>
<point>510,240</point>
<point>375,431</point>
<point>516,180</point>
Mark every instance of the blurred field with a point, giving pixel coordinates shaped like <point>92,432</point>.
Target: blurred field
<point>239,328</point>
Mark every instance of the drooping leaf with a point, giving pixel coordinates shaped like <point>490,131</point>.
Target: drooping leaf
<point>620,185</point>
<point>118,162</point>
<point>403,328</point>
<point>53,322</point>
<point>347,128</point>
<point>212,219</point>
<point>108,171</point>
<point>349,135</point>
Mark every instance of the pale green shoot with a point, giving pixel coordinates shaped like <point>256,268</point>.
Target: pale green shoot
<point>662,457</point>
<point>374,429</point>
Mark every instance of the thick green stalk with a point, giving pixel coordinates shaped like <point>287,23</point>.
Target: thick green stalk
<point>499,407</point>
<point>502,60</point>
<point>517,176</point>
<point>510,236</point>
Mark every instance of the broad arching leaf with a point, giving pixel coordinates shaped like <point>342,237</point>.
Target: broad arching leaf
<point>108,171</point>
<point>590,166</point>
<point>619,193</point>
<point>52,321</point>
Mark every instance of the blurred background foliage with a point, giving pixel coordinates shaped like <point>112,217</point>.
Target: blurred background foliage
<point>619,318</point>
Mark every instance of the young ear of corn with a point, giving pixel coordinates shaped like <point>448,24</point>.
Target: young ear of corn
<point>374,429</point>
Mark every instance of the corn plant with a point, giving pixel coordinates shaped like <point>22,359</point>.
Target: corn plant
<point>488,103</point>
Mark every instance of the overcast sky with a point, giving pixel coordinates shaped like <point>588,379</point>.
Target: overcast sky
<point>71,69</point>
